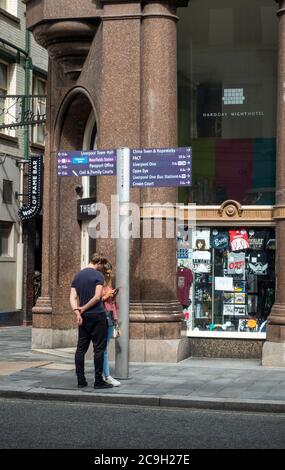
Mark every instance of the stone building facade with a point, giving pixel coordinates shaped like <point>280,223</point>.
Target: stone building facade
<point>113,83</point>
<point>23,66</point>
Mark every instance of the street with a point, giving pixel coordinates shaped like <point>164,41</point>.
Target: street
<point>29,424</point>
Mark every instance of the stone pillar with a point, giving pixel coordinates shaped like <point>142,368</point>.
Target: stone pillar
<point>42,311</point>
<point>155,331</point>
<point>68,43</point>
<point>274,347</point>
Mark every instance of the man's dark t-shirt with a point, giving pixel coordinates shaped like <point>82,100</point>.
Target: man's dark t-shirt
<point>85,282</point>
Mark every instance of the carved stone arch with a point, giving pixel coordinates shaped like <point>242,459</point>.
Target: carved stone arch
<point>231,209</point>
<point>69,130</point>
<point>81,100</point>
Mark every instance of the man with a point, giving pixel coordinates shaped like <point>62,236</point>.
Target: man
<point>86,302</point>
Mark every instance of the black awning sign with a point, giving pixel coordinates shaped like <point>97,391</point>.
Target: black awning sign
<point>86,208</point>
<point>33,208</point>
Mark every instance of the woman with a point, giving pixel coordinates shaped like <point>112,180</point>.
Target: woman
<point>110,304</point>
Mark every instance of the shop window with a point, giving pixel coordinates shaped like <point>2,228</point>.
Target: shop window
<point>7,192</point>
<point>226,278</point>
<point>6,243</point>
<point>40,91</point>
<point>8,105</point>
<point>227,76</point>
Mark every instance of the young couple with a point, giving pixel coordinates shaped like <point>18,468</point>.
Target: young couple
<point>93,300</point>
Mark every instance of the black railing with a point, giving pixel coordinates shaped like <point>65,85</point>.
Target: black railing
<point>22,110</point>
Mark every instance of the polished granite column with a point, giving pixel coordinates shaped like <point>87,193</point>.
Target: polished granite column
<point>156,319</point>
<point>274,347</point>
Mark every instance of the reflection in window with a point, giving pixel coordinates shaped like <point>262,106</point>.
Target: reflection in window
<point>40,91</point>
<point>3,90</point>
<point>227,65</point>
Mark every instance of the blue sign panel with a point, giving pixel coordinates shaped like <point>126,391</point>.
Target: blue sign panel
<point>161,167</point>
<point>156,167</point>
<point>86,163</point>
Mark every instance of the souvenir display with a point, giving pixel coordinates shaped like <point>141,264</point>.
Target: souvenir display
<point>258,263</point>
<point>229,298</point>
<point>220,240</point>
<point>236,263</point>
<point>239,298</point>
<point>252,303</point>
<point>233,279</point>
<point>201,239</point>
<point>228,310</point>
<point>238,240</point>
<point>182,253</point>
<point>239,310</point>
<point>239,286</point>
<point>257,239</point>
<point>201,261</point>
<point>184,281</point>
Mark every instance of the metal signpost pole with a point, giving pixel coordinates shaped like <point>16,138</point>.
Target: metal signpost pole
<point>122,262</point>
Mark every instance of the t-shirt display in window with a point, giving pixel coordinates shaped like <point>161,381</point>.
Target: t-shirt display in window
<point>184,281</point>
<point>201,239</point>
<point>239,286</point>
<point>228,298</point>
<point>201,261</point>
<point>257,239</point>
<point>258,263</point>
<point>248,325</point>
<point>239,310</point>
<point>243,255</point>
<point>236,263</point>
<point>219,240</point>
<point>239,240</point>
<point>239,298</point>
<point>228,310</point>
<point>203,278</point>
<point>252,303</point>
<point>252,282</point>
<point>184,236</point>
<point>203,295</point>
<point>271,244</point>
<point>182,253</point>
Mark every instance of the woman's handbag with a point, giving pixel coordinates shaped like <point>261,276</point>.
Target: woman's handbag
<point>117,330</point>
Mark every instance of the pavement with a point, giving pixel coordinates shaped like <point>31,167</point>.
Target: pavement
<point>219,384</point>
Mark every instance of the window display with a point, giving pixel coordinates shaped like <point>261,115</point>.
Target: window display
<point>231,285</point>
<point>184,281</point>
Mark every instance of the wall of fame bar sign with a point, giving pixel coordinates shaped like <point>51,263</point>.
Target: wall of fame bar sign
<point>33,208</point>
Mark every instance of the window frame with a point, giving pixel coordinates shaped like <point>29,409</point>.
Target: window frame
<point>11,237</point>
<point>4,90</point>
<point>5,6</point>
<point>38,103</point>
<point>9,190</point>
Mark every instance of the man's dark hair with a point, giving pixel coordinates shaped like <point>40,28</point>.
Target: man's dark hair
<point>97,258</point>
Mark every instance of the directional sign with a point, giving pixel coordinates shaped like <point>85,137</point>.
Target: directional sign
<point>86,163</point>
<point>161,167</point>
<point>154,167</point>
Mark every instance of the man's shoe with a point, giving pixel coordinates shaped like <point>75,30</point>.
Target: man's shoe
<point>102,384</point>
<point>112,381</point>
<point>82,384</point>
